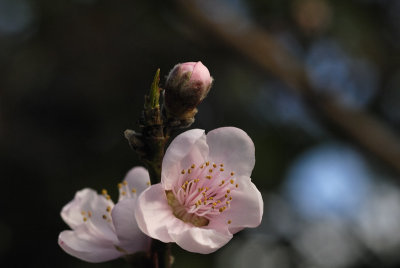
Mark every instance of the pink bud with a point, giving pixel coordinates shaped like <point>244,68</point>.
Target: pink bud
<point>186,86</point>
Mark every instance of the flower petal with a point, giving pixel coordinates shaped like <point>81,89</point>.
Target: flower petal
<point>137,180</point>
<point>186,149</point>
<point>232,147</point>
<point>85,247</point>
<point>200,240</point>
<point>90,209</point>
<point>153,214</point>
<point>130,237</point>
<point>246,208</point>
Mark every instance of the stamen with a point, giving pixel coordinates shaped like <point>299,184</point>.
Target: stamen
<point>229,222</point>
<point>104,217</point>
<point>119,185</point>
<point>232,173</point>
<point>104,192</point>
<point>183,171</point>
<point>148,183</point>
<point>210,170</point>
<point>221,169</point>
<point>108,209</point>
<point>125,183</point>
<point>214,165</point>
<point>133,190</point>
<point>232,181</point>
<point>207,163</point>
<point>193,166</point>
<point>84,219</point>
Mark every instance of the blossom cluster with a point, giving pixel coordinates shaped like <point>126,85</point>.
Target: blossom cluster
<point>204,197</point>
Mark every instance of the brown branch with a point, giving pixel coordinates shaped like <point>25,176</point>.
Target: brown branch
<point>266,52</point>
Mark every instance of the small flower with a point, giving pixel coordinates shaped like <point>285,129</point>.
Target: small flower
<point>206,194</point>
<point>100,230</point>
<point>186,86</point>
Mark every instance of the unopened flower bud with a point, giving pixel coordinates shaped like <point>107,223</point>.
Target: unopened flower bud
<point>186,86</point>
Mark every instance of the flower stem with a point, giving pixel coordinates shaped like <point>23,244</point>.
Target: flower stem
<point>149,144</point>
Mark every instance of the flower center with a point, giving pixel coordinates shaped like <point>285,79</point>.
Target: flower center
<point>202,193</point>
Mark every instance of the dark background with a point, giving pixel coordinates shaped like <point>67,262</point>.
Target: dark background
<point>315,83</point>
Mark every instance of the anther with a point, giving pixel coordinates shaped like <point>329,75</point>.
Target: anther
<point>124,183</point>
<point>237,185</point>
<point>232,173</point>
<point>104,217</point>
<point>220,210</point>
<point>214,204</point>
<point>89,214</point>
<point>83,213</point>
<point>208,177</point>
<point>210,170</point>
<point>104,191</point>
<point>193,166</point>
<point>207,163</point>
<point>214,165</point>
<point>226,196</point>
<point>133,190</point>
<point>189,171</point>
<point>232,181</point>
<point>202,166</point>
<point>183,171</point>
<point>119,185</point>
<point>123,193</point>
<point>148,183</point>
<point>228,191</point>
<point>229,222</point>
<point>221,165</point>
<point>108,209</point>
<point>108,197</point>
<point>84,219</point>
<point>221,169</point>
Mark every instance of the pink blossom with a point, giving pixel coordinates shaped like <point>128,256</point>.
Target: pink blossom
<point>206,194</point>
<point>100,230</point>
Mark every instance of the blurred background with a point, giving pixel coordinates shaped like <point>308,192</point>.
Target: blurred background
<point>315,83</point>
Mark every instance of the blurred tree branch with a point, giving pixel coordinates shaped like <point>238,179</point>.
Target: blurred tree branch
<point>261,48</point>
